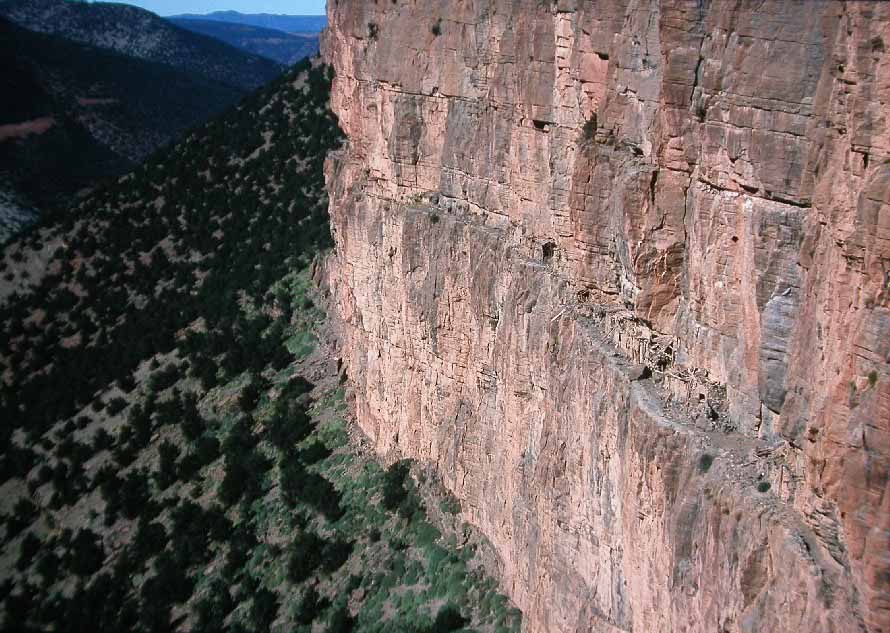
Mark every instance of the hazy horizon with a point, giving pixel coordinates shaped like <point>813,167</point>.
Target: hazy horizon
<point>285,7</point>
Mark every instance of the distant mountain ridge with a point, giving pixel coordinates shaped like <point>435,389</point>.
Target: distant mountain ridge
<point>284,48</point>
<point>140,33</point>
<point>286,23</point>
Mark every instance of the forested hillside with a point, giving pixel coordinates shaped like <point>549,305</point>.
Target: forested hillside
<point>73,114</point>
<point>175,449</point>
<point>139,33</point>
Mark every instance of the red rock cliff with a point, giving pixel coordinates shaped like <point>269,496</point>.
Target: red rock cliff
<point>621,272</point>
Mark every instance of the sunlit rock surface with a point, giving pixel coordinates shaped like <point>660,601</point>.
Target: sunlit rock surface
<point>621,272</point>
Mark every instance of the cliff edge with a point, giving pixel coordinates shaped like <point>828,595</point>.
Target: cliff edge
<point>621,273</point>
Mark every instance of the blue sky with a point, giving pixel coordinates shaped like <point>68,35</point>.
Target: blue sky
<point>289,7</point>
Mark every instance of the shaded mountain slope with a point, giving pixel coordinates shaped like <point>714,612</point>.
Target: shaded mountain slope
<point>175,454</point>
<point>284,48</point>
<point>76,113</point>
<point>140,33</point>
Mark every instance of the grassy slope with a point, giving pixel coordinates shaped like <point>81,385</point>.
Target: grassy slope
<point>167,463</point>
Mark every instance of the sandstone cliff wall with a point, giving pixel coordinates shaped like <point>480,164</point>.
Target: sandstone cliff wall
<point>613,267</point>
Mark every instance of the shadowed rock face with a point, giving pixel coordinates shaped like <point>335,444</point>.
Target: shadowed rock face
<point>621,271</point>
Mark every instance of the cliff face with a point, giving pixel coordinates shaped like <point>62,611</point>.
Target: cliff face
<point>614,269</point>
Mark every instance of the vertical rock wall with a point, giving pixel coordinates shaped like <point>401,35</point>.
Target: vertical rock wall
<point>616,267</point>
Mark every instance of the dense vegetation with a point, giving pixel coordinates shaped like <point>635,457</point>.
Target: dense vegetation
<point>168,464</point>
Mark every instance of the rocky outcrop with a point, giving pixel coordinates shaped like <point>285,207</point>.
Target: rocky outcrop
<point>621,272</point>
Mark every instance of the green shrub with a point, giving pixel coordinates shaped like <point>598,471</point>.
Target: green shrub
<point>214,608</point>
<point>245,466</point>
<point>450,504</point>
<point>163,378</point>
<point>311,606</point>
<point>48,566</point>
<point>288,426</point>
<point>166,475</point>
<point>335,554</point>
<point>126,383</point>
<point>86,555</point>
<point>116,405</point>
<point>704,463</point>
<point>31,545</point>
<point>341,621</point>
<point>263,609</point>
<point>394,490</point>
<point>102,440</point>
<point>207,450</point>
<point>24,513</point>
<point>589,129</point>
<point>169,586</point>
<point>314,453</point>
<point>448,619</point>
<point>306,556</point>
<point>250,395</point>
<point>134,494</point>
<point>191,422</point>
<point>425,534</point>
<point>151,538</point>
